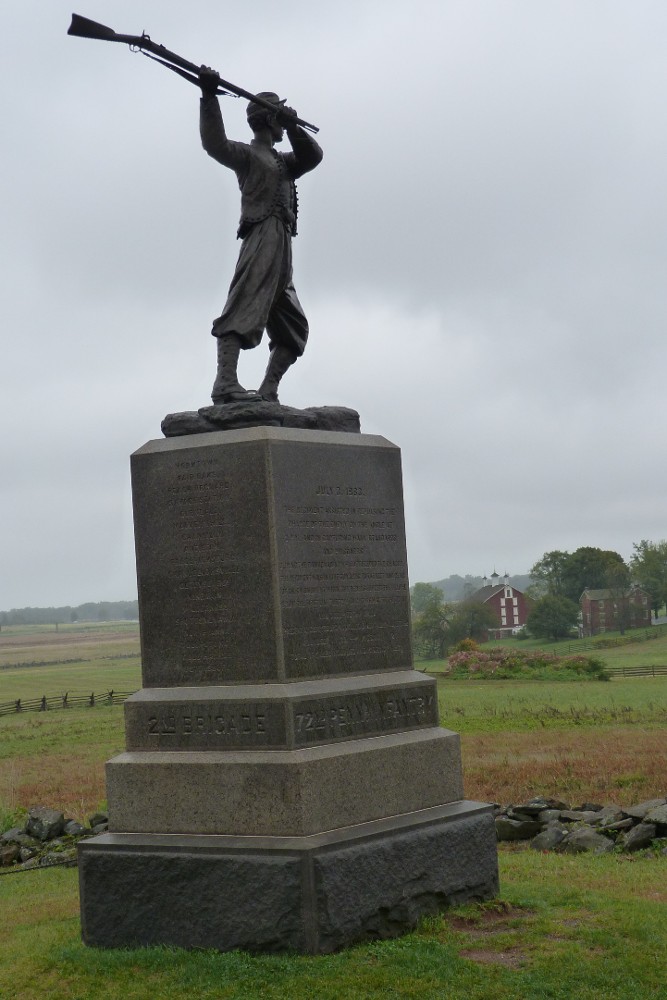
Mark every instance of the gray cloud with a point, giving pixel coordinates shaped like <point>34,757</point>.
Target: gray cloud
<point>481,256</point>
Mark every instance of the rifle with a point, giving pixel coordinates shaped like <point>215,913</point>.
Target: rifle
<point>85,28</point>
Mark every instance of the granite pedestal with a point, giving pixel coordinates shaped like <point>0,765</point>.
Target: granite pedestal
<point>285,783</point>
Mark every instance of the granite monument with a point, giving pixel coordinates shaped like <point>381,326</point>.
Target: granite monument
<point>285,783</point>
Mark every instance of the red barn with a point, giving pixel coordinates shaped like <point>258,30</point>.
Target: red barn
<point>509,605</point>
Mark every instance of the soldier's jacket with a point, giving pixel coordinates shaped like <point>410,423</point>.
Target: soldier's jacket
<point>266,177</point>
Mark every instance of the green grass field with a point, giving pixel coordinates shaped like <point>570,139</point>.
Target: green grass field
<point>564,927</point>
<point>77,658</point>
<point>524,706</point>
<point>76,678</point>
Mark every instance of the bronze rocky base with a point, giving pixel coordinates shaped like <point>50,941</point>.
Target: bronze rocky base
<point>259,413</point>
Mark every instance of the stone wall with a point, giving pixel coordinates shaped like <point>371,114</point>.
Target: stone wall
<point>45,838</point>
<point>552,825</point>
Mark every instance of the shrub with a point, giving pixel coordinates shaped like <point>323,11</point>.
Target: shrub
<point>466,646</point>
<point>501,663</point>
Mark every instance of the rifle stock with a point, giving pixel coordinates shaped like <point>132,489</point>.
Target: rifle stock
<point>83,27</point>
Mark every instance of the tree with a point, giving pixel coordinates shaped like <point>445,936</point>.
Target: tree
<point>423,594</point>
<point>589,568</point>
<point>553,617</point>
<point>568,574</point>
<point>430,630</point>
<point>470,620</point>
<point>547,573</point>
<point>440,626</point>
<point>618,585</point>
<point>649,569</point>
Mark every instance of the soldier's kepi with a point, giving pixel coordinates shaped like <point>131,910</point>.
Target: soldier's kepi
<point>261,295</point>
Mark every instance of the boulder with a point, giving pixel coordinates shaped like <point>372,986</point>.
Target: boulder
<point>606,814</point>
<point>612,825</point>
<point>548,816</point>
<point>73,829</point>
<point>578,816</point>
<point>516,829</point>
<point>58,858</point>
<point>9,836</point>
<point>96,819</point>
<point>657,815</point>
<point>640,810</point>
<point>518,813</point>
<point>44,823</point>
<point>639,837</point>
<point>549,839</point>
<point>537,805</point>
<point>25,840</point>
<point>585,838</point>
<point>9,854</point>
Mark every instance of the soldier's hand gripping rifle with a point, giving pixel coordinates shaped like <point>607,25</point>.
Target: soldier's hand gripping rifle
<point>143,43</point>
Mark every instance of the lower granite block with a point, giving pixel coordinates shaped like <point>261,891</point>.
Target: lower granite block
<point>311,894</point>
<point>283,793</point>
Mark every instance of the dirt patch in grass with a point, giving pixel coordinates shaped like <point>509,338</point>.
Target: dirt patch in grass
<point>513,959</point>
<point>486,921</point>
<point>488,918</point>
<point>609,765</point>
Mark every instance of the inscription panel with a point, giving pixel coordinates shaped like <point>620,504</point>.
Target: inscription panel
<point>342,560</point>
<point>276,724</point>
<point>371,713</point>
<point>218,725</point>
<point>203,565</point>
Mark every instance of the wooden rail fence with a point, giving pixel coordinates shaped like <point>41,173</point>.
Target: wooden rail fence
<point>66,700</point>
<point>637,671</point>
<point>562,648</point>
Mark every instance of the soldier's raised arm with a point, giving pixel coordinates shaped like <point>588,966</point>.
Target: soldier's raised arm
<point>306,152</point>
<point>211,126</point>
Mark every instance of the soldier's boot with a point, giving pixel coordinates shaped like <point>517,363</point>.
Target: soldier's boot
<point>226,388</point>
<point>280,360</point>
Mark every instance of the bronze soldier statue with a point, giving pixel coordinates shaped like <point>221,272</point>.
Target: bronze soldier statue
<point>261,295</point>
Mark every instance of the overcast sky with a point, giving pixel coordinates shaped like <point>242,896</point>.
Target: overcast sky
<point>482,258</point>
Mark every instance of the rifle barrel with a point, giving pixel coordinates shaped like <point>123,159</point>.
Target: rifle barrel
<point>83,27</point>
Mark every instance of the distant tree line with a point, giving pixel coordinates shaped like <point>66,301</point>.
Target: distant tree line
<point>102,611</point>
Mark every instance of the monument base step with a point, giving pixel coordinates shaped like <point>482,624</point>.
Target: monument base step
<point>283,793</point>
<point>312,894</point>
